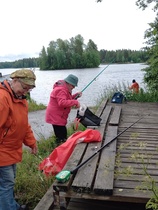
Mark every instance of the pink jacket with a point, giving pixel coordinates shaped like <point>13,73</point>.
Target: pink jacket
<point>60,103</point>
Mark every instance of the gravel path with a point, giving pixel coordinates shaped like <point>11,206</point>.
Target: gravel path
<point>42,129</point>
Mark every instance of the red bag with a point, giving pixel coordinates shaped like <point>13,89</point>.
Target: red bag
<point>55,162</point>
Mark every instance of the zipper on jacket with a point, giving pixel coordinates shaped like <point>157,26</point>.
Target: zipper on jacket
<point>4,135</point>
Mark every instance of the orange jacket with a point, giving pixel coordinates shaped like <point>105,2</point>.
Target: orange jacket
<point>135,87</point>
<point>14,127</point>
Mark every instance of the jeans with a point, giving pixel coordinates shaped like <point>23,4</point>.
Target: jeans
<point>7,181</point>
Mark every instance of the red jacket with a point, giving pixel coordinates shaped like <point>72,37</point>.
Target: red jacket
<point>14,127</point>
<point>135,87</point>
<point>60,103</point>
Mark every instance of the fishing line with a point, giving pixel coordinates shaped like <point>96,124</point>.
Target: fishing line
<point>94,78</point>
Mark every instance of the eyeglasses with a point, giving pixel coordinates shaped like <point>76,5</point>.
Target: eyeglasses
<point>26,89</point>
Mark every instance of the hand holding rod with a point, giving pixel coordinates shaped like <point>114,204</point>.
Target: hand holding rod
<point>80,165</point>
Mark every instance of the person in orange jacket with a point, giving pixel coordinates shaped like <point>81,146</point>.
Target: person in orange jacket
<point>14,132</point>
<point>134,87</point>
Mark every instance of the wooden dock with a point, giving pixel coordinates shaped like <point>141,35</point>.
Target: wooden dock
<point>117,175</point>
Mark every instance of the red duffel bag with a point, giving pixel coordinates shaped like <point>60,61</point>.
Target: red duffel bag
<point>55,162</point>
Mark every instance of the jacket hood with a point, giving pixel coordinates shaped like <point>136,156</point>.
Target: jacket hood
<point>5,86</point>
<point>60,83</point>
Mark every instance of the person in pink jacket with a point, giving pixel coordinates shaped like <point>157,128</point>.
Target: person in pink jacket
<point>60,104</point>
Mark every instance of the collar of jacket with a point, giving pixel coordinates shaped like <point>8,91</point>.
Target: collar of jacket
<point>6,85</point>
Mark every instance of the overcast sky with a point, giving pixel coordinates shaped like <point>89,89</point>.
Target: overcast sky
<point>27,25</point>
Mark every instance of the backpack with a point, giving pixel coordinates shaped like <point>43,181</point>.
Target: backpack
<point>118,98</point>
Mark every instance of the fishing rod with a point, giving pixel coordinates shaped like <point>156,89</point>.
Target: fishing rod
<point>95,78</point>
<point>64,175</point>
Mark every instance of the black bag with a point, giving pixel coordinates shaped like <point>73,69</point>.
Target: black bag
<point>88,119</point>
<point>118,98</point>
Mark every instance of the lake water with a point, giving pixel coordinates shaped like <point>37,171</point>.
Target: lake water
<point>113,75</point>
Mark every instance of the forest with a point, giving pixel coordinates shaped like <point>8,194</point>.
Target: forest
<point>74,53</point>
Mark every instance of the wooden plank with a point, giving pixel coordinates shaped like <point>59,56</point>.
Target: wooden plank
<point>133,194</point>
<point>72,163</point>
<point>126,195</point>
<point>101,107</point>
<point>133,177</point>
<point>85,175</point>
<point>103,184</point>
<point>140,125</point>
<point>115,116</point>
<point>130,166</point>
<point>111,133</point>
<point>92,204</point>
<point>47,201</point>
<point>105,115</point>
<point>128,184</point>
<point>84,178</point>
<point>144,154</point>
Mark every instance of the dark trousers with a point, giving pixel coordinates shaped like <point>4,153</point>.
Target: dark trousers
<point>60,133</point>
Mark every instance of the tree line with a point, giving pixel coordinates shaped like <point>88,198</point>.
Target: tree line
<point>62,55</point>
<point>123,56</point>
<point>22,63</point>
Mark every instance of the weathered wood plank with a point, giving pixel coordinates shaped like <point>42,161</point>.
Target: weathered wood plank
<point>115,116</point>
<point>140,125</point>
<point>101,107</point>
<point>84,177</point>
<point>93,204</point>
<point>134,177</point>
<point>111,133</point>
<point>105,115</point>
<point>103,184</point>
<point>71,164</point>
<point>144,154</point>
<point>130,167</point>
<point>47,201</point>
<point>128,184</point>
<point>127,195</point>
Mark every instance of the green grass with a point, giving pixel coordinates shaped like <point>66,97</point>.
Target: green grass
<point>32,184</point>
<point>33,106</point>
<point>143,96</point>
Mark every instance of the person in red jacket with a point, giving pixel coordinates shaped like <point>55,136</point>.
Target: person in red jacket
<point>14,132</point>
<point>134,87</point>
<point>60,103</point>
